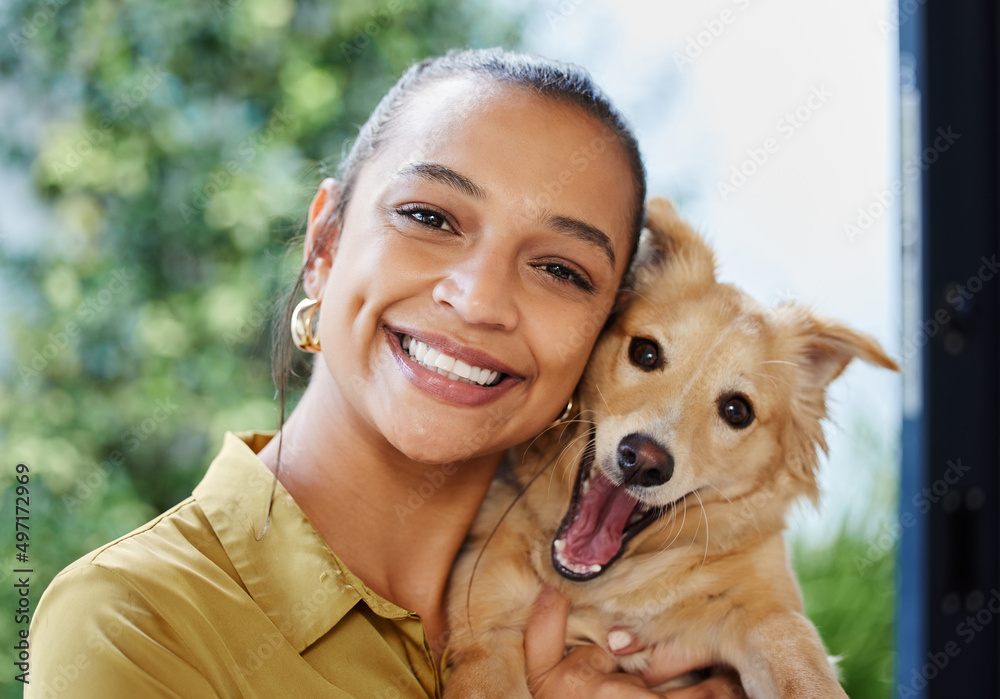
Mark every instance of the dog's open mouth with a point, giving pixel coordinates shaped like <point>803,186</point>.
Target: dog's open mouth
<point>602,517</point>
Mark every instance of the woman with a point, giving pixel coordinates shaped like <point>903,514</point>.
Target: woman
<point>488,210</point>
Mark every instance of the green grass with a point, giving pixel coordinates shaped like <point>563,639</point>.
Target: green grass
<point>853,610</point>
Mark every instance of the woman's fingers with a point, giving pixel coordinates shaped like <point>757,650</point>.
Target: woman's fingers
<point>622,642</point>
<point>712,688</point>
<point>545,635</point>
<point>670,661</point>
<point>587,671</point>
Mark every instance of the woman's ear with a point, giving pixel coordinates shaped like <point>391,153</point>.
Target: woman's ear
<point>321,238</point>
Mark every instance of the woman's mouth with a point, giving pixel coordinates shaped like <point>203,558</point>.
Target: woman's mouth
<point>448,366</point>
<point>455,373</point>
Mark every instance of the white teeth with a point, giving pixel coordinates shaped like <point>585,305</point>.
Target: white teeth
<point>641,511</point>
<point>578,568</point>
<point>445,362</point>
<point>445,365</point>
<point>586,487</point>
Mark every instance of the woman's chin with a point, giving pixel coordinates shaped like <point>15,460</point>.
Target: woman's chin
<point>439,445</point>
<point>420,450</point>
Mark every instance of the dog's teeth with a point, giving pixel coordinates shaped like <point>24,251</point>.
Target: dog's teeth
<point>579,568</point>
<point>586,487</point>
<point>641,511</point>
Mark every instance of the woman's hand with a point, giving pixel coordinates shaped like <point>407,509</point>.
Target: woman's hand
<point>589,671</point>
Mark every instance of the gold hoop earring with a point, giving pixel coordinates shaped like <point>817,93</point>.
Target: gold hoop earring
<point>568,412</point>
<point>302,318</point>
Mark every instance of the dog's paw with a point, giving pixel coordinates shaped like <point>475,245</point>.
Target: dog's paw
<point>486,678</point>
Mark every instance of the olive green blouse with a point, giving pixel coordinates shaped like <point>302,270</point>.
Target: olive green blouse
<point>193,605</point>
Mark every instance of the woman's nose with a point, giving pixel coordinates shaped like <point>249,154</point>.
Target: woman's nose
<point>481,290</point>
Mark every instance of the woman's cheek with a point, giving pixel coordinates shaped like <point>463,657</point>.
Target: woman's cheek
<point>569,339</point>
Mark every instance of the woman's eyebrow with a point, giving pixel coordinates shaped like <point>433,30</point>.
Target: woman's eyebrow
<point>444,175</point>
<point>581,230</point>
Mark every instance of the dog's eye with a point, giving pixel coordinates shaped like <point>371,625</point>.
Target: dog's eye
<point>736,411</point>
<point>645,354</point>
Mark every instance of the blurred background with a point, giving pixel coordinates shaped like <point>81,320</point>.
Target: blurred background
<point>156,159</point>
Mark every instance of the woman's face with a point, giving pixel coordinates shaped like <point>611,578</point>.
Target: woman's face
<point>491,227</point>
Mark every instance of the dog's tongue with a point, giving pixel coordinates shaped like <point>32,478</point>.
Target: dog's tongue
<point>595,535</point>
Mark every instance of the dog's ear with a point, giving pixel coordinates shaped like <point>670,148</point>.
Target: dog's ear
<point>826,347</point>
<point>668,246</point>
<point>820,349</point>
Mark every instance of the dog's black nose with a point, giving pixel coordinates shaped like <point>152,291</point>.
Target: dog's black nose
<point>644,461</point>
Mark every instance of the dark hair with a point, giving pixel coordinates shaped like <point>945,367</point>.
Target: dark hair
<point>548,78</point>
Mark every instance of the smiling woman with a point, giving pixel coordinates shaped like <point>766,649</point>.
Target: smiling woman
<point>457,273</point>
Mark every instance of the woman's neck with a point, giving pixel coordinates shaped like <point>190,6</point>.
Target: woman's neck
<point>396,523</point>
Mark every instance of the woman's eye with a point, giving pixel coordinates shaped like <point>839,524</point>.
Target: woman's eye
<point>645,353</point>
<point>561,272</point>
<point>568,274</point>
<point>427,217</point>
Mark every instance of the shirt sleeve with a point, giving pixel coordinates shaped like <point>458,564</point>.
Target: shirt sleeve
<point>93,635</point>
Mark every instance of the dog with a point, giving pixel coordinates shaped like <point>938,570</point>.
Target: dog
<point>660,510</point>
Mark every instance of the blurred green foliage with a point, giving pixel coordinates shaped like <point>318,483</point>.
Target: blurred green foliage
<point>852,605</point>
<point>848,584</point>
<point>172,151</point>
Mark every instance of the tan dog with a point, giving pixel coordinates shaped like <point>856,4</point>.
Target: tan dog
<point>661,509</point>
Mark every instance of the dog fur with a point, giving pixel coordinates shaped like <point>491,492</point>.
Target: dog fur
<point>711,571</point>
